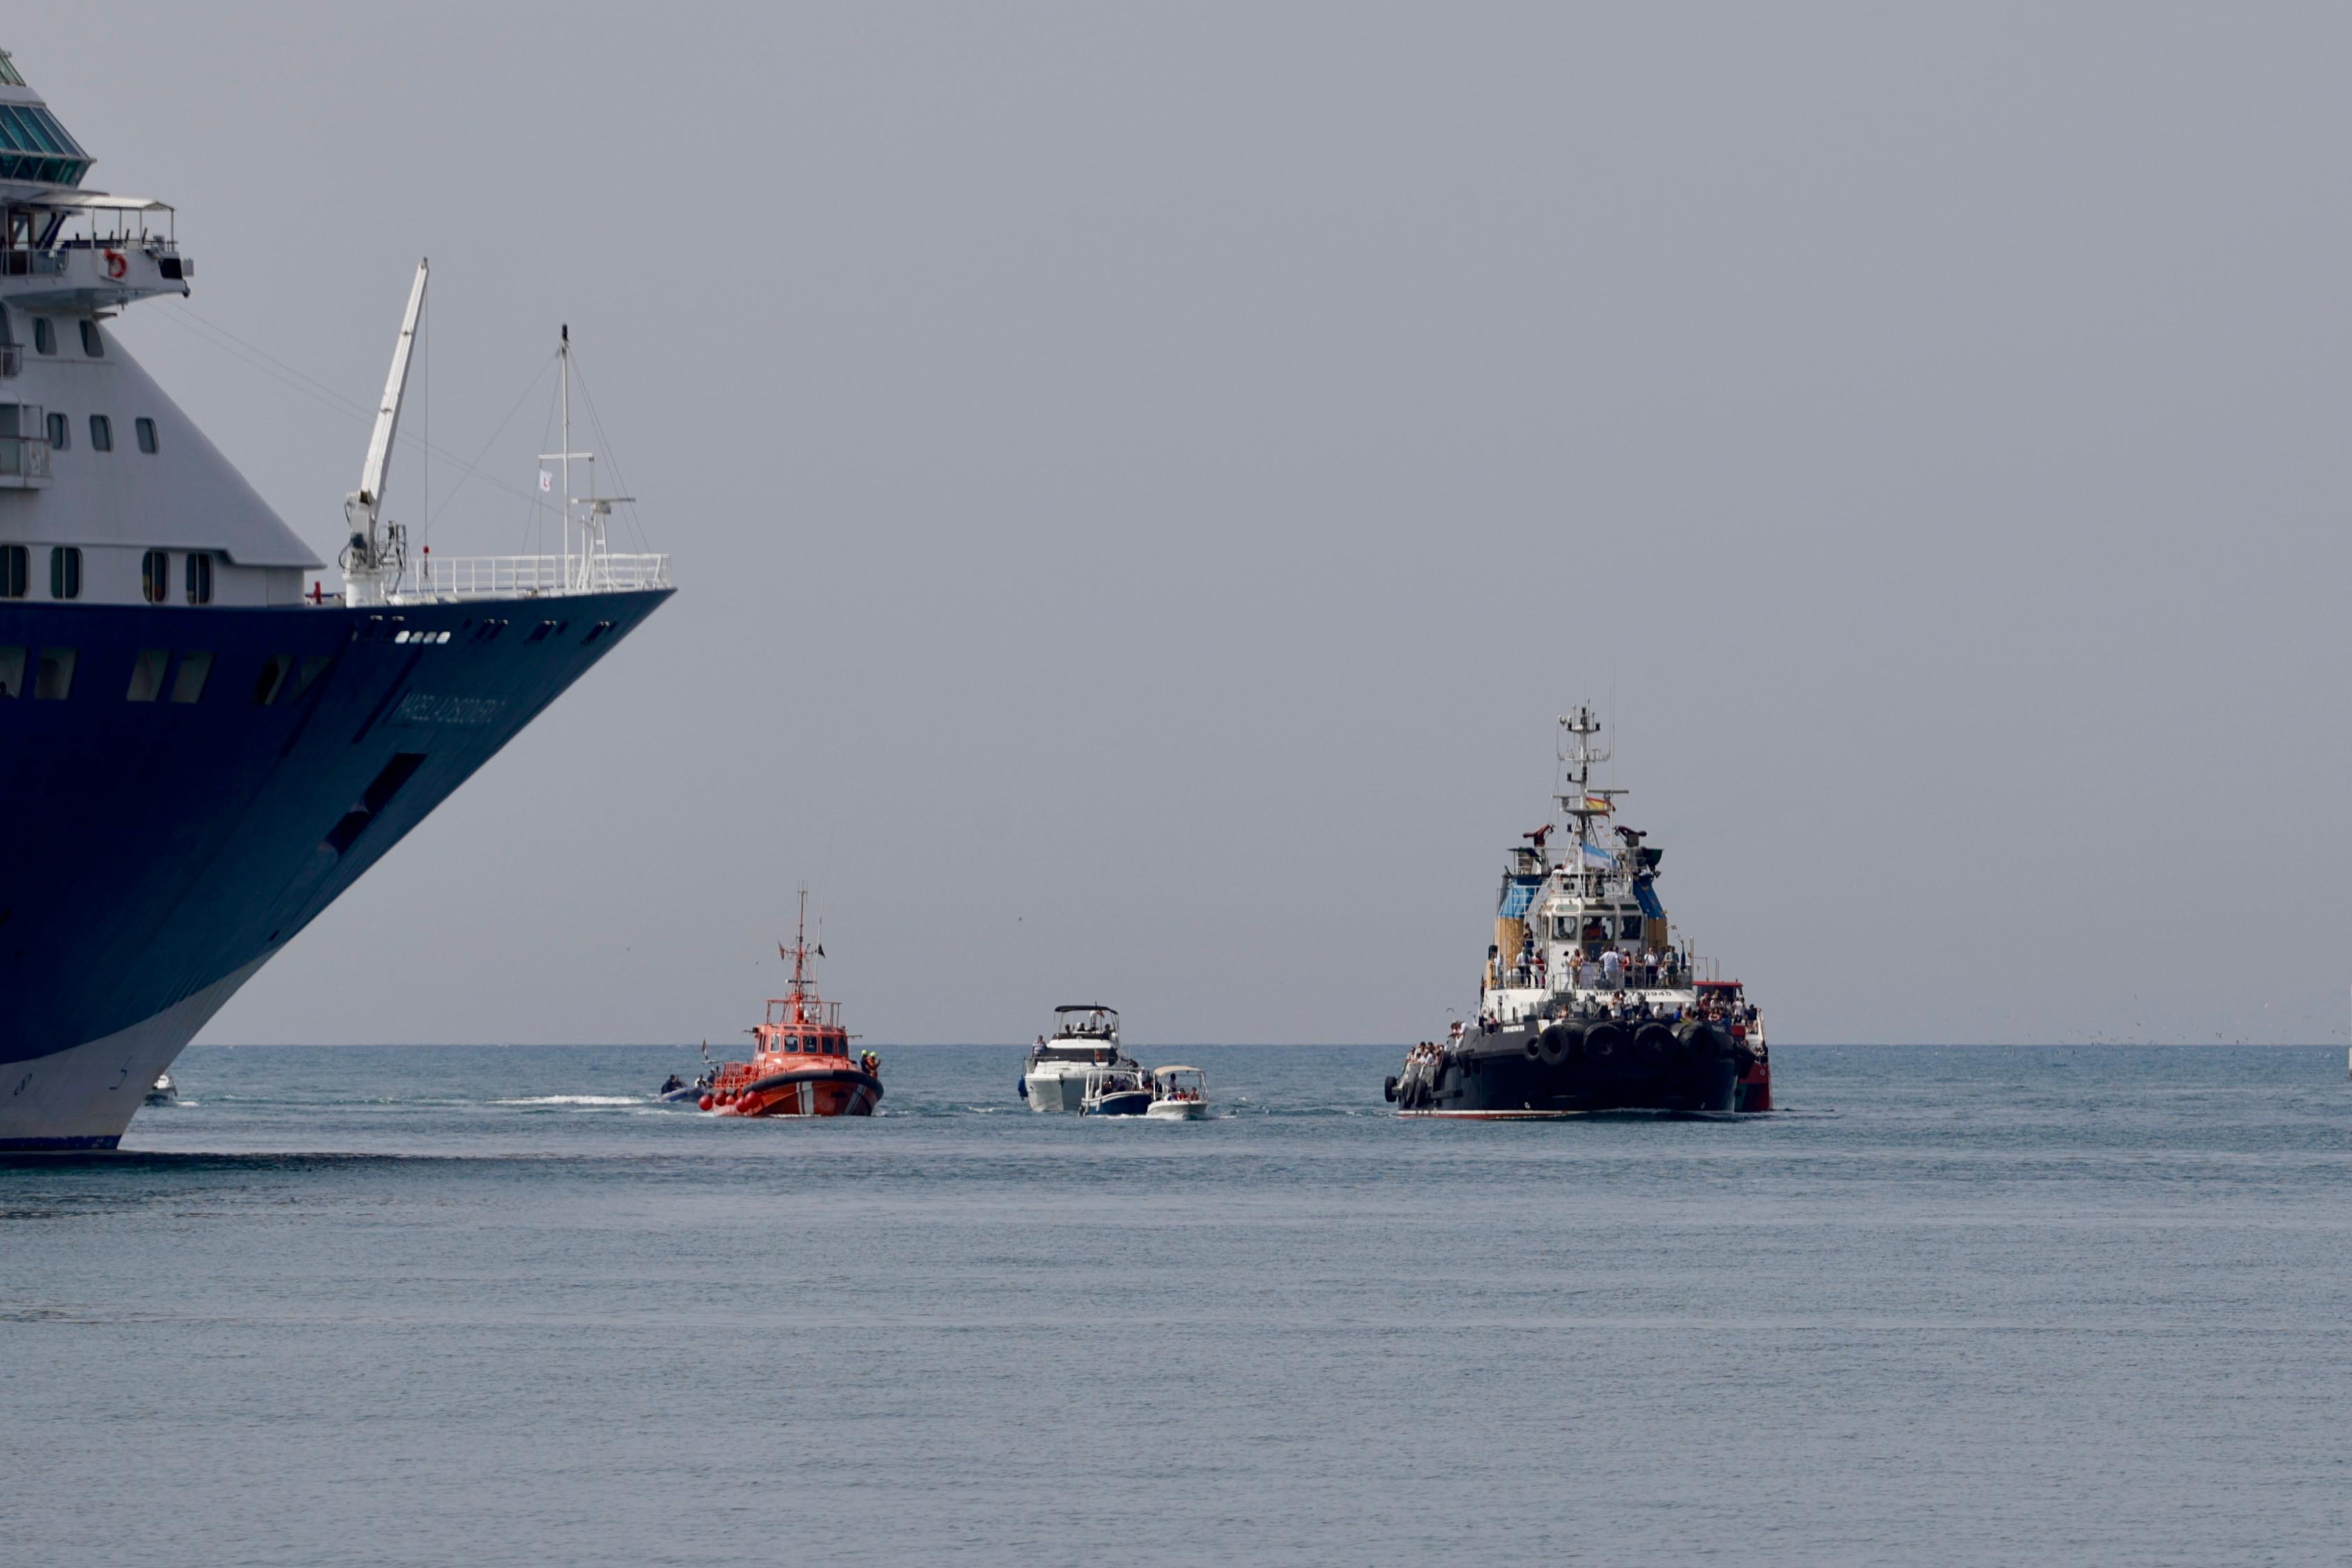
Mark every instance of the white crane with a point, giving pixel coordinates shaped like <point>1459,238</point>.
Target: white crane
<point>376,555</point>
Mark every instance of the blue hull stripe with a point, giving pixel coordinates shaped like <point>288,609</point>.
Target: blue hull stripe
<point>154,847</point>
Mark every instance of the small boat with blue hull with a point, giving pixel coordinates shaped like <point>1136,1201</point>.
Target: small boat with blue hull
<point>1115,1091</point>
<point>1587,1003</point>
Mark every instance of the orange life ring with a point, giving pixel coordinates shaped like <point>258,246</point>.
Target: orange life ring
<point>117,266</point>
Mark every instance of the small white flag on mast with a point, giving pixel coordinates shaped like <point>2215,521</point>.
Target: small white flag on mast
<point>546,481</point>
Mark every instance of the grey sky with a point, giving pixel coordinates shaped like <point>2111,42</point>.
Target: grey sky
<point>1144,478</point>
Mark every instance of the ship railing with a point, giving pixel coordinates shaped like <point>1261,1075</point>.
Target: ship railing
<point>1593,977</point>
<point>533,576</point>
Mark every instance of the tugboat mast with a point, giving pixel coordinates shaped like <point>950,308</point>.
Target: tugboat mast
<point>1579,799</point>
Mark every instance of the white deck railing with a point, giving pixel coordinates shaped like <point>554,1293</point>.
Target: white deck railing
<point>533,576</point>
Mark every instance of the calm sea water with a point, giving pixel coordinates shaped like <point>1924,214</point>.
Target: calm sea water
<point>485,1305</point>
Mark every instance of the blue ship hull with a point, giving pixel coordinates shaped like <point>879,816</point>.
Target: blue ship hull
<point>162,850</point>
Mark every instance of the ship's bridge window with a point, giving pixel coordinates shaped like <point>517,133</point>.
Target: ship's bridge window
<point>64,572</point>
<point>8,71</point>
<point>61,432</point>
<point>101,432</point>
<point>155,576</point>
<point>34,146</point>
<point>145,429</point>
<point>16,569</point>
<point>45,336</point>
<point>91,343</point>
<point>1631,926</point>
<point>200,577</point>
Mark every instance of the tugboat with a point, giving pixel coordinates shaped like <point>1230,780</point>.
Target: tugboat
<point>1587,1002</point>
<point>800,1063</point>
<point>1086,1036</point>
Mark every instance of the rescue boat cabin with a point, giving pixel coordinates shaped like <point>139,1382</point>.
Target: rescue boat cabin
<point>799,1024</point>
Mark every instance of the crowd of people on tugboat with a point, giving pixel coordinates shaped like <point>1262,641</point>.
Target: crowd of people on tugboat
<point>1598,969</point>
<point>1625,1006</point>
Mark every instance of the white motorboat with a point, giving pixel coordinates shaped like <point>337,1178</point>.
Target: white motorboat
<point>1179,1094</point>
<point>1084,1036</point>
<point>163,1091</point>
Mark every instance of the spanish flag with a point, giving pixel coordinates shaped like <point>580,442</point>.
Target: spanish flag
<point>1596,803</point>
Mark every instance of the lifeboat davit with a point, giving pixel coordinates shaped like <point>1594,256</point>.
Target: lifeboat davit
<point>801,1063</point>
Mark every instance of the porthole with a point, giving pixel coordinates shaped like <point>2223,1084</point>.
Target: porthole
<point>93,345</point>
<point>65,572</point>
<point>61,432</point>
<point>45,336</point>
<point>15,571</point>
<point>200,577</point>
<point>145,429</point>
<point>101,432</point>
<point>53,677</point>
<point>188,682</point>
<point>155,576</point>
<point>147,675</point>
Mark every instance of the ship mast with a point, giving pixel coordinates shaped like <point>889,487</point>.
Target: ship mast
<point>595,510</point>
<point>1579,799</point>
<point>799,954</point>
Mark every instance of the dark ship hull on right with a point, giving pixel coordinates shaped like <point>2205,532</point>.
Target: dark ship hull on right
<point>1550,1067</point>
<point>1591,1001</point>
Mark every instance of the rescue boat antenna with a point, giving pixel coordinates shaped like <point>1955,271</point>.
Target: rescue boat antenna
<point>370,556</point>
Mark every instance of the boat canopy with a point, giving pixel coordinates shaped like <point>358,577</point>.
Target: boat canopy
<point>1086,1007</point>
<point>1172,1072</point>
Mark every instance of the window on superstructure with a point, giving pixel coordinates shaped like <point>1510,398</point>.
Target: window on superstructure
<point>91,343</point>
<point>200,577</point>
<point>15,571</point>
<point>45,336</point>
<point>155,576</point>
<point>65,572</point>
<point>8,70</point>
<point>61,432</point>
<point>145,429</point>
<point>101,432</point>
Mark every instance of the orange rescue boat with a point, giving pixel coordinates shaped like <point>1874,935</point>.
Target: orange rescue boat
<point>800,1064</point>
